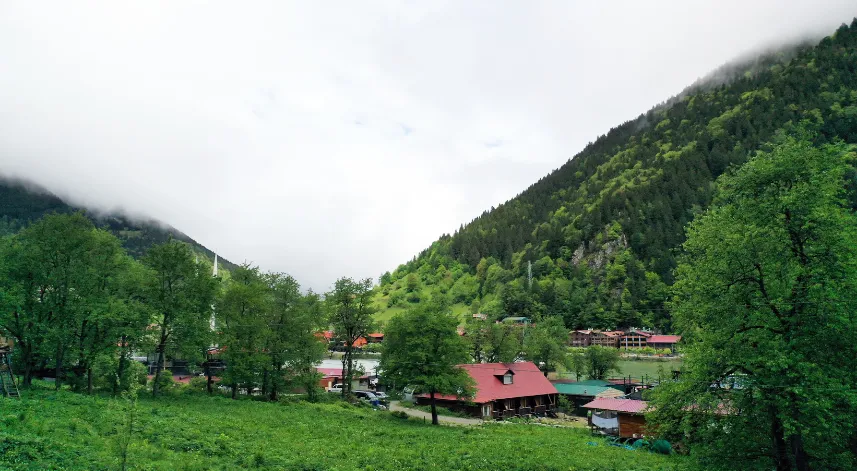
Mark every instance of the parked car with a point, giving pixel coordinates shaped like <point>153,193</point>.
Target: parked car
<point>336,388</point>
<point>371,397</point>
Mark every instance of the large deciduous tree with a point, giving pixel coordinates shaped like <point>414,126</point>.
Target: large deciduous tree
<point>422,349</point>
<point>766,297</point>
<point>351,309</point>
<point>181,292</point>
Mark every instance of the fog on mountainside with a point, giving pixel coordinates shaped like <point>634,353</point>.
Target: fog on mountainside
<point>256,129</point>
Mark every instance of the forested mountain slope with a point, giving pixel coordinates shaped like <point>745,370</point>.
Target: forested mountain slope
<point>600,234</point>
<point>23,202</point>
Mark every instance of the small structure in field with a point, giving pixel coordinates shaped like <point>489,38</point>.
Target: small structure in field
<point>583,392</point>
<point>503,390</point>
<point>619,417</point>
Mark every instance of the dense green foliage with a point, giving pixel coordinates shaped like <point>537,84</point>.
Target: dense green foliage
<point>599,234</point>
<point>268,329</point>
<point>350,307</point>
<point>76,432</point>
<point>765,297</point>
<point>77,307</point>
<point>22,203</point>
<point>422,349</point>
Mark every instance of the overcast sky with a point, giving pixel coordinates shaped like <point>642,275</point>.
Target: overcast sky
<point>342,140</point>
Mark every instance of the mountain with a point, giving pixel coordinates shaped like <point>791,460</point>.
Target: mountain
<point>23,202</point>
<point>596,240</point>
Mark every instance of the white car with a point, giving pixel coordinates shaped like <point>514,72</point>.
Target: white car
<point>336,388</point>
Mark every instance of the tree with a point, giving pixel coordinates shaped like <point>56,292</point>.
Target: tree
<point>600,361</point>
<point>422,349</point>
<point>504,343</point>
<point>52,288</point>
<point>544,343</point>
<point>242,316</point>
<point>294,349</point>
<point>765,296</point>
<point>182,293</point>
<point>350,307</point>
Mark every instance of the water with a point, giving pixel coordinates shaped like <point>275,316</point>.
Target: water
<point>369,366</point>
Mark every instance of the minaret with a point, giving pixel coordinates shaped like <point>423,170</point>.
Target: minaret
<point>211,321</point>
<point>215,266</point>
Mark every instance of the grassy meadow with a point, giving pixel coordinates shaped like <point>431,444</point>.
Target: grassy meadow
<point>68,431</point>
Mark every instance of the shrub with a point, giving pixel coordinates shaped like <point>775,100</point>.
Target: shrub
<point>399,414</point>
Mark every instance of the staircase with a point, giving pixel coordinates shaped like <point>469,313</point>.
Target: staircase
<point>8,387</point>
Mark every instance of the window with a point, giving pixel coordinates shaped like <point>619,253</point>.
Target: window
<point>507,378</point>
<point>486,410</point>
<point>538,401</point>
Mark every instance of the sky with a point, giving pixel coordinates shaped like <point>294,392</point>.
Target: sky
<point>329,139</point>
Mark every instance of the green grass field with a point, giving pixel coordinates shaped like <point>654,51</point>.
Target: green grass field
<point>68,431</point>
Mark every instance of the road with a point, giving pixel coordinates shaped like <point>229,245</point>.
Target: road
<point>394,406</point>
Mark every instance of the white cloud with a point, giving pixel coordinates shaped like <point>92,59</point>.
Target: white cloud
<point>342,139</point>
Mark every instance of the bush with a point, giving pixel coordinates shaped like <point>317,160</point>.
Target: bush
<point>198,383</point>
<point>399,414</point>
<point>413,297</point>
<point>166,381</point>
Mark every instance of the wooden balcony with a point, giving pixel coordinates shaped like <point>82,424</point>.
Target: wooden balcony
<point>525,411</point>
<point>539,410</point>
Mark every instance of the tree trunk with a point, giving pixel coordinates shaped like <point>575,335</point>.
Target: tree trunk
<point>120,370</point>
<point>781,456</point>
<point>209,380</point>
<point>345,373</point>
<point>28,368</point>
<point>265,385</point>
<point>433,409</point>
<point>799,454</point>
<point>234,390</point>
<point>158,368</point>
<point>58,368</point>
<point>89,380</point>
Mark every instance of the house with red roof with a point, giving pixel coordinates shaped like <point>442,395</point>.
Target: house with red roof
<point>376,337</point>
<point>503,390</point>
<point>664,341</point>
<point>621,417</point>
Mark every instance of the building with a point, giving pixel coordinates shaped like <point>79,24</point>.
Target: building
<point>376,337</point>
<point>580,338</point>
<point>331,376</point>
<point>607,338</point>
<point>620,417</point>
<point>480,316</point>
<point>517,320</point>
<point>503,390</point>
<point>664,341</point>
<point>634,339</point>
<point>584,392</point>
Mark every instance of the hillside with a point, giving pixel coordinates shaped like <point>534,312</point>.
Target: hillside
<point>596,240</point>
<point>195,432</point>
<point>23,202</point>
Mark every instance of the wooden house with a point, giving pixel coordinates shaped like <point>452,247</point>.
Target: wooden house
<point>376,337</point>
<point>503,390</point>
<point>634,339</point>
<point>664,341</point>
<point>606,338</point>
<point>580,338</point>
<point>620,417</point>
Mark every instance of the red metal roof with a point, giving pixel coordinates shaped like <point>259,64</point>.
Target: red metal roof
<point>528,381</point>
<point>664,339</point>
<point>630,406</point>
<point>377,335</point>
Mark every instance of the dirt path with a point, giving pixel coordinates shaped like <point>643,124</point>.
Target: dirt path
<point>394,406</point>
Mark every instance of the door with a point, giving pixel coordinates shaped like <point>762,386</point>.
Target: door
<point>486,410</point>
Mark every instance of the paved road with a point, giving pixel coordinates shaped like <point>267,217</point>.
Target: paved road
<point>394,406</point>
